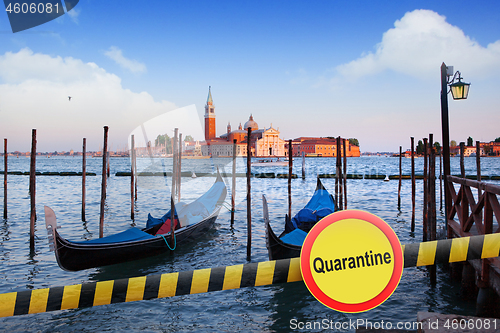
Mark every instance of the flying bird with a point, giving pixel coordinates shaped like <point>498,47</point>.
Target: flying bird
<point>69,98</point>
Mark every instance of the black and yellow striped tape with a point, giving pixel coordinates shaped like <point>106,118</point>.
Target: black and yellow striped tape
<point>451,250</point>
<point>149,287</point>
<point>222,278</point>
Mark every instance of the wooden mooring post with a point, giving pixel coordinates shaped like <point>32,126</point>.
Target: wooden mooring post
<point>5,178</point>
<point>233,184</point>
<point>175,165</point>
<point>84,174</point>
<point>290,167</point>
<point>135,174</point>
<point>338,176</point>
<point>103,182</point>
<point>412,184</point>
<point>441,180</point>
<point>400,176</point>
<point>425,183</point>
<point>345,175</point>
<point>303,165</point>
<point>341,178</point>
<point>132,175</point>
<point>249,197</point>
<point>33,189</point>
<point>431,196</point>
<point>107,163</point>
<point>179,168</point>
<point>478,165</point>
<point>462,161</point>
<point>432,189</point>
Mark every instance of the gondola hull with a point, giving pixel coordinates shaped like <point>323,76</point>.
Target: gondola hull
<point>75,256</point>
<point>277,249</point>
<point>134,244</point>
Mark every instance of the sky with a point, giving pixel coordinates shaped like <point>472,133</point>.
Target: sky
<point>357,69</point>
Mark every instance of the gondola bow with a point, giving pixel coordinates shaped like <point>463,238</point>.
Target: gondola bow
<point>289,243</point>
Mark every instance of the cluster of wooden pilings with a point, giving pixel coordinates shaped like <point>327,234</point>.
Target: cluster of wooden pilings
<point>176,179</point>
<point>429,188</point>
<point>32,183</point>
<point>480,279</point>
<point>429,221</point>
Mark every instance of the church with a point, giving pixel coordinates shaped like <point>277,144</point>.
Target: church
<point>264,142</point>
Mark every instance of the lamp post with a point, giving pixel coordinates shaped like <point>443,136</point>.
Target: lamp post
<point>459,90</point>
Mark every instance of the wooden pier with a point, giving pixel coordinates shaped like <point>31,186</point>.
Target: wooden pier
<point>468,217</point>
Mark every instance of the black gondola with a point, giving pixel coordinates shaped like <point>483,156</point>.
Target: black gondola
<point>134,243</point>
<point>288,244</point>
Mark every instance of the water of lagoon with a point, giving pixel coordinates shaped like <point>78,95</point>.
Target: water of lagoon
<point>267,308</point>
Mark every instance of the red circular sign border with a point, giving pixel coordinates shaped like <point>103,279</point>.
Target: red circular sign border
<point>306,253</point>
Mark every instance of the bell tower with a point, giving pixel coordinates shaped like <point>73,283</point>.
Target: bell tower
<point>209,117</point>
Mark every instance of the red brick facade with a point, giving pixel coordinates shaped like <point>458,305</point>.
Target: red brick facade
<point>323,147</point>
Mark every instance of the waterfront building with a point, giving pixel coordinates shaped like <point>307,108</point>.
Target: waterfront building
<point>209,117</point>
<point>192,148</point>
<point>495,148</point>
<point>264,142</point>
<point>490,148</point>
<point>322,147</point>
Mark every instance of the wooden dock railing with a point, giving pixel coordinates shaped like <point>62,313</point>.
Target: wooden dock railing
<point>469,212</point>
<point>474,218</point>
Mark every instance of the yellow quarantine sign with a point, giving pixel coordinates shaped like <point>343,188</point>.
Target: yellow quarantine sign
<point>351,261</point>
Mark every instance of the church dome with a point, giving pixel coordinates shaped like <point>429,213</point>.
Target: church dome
<point>252,124</point>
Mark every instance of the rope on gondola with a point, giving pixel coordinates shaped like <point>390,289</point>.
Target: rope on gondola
<point>224,205</point>
<point>166,242</point>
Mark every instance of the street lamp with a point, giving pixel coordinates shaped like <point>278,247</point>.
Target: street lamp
<point>459,90</point>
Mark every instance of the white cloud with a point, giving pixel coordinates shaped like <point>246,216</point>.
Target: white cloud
<point>419,43</point>
<point>73,14</point>
<point>25,65</point>
<point>116,55</point>
<point>34,94</point>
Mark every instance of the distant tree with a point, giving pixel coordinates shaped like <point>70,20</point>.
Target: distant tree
<point>453,143</point>
<point>188,138</point>
<point>420,147</point>
<point>354,142</point>
<point>164,140</point>
<point>160,140</point>
<point>497,139</point>
<point>470,141</point>
<point>437,147</point>
<point>487,149</point>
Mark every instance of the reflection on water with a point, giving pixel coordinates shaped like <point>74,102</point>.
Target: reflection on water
<point>269,308</point>
<point>32,270</point>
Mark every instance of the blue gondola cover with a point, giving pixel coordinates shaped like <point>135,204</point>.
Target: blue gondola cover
<point>152,221</point>
<point>320,206</point>
<point>296,237</point>
<point>132,234</point>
